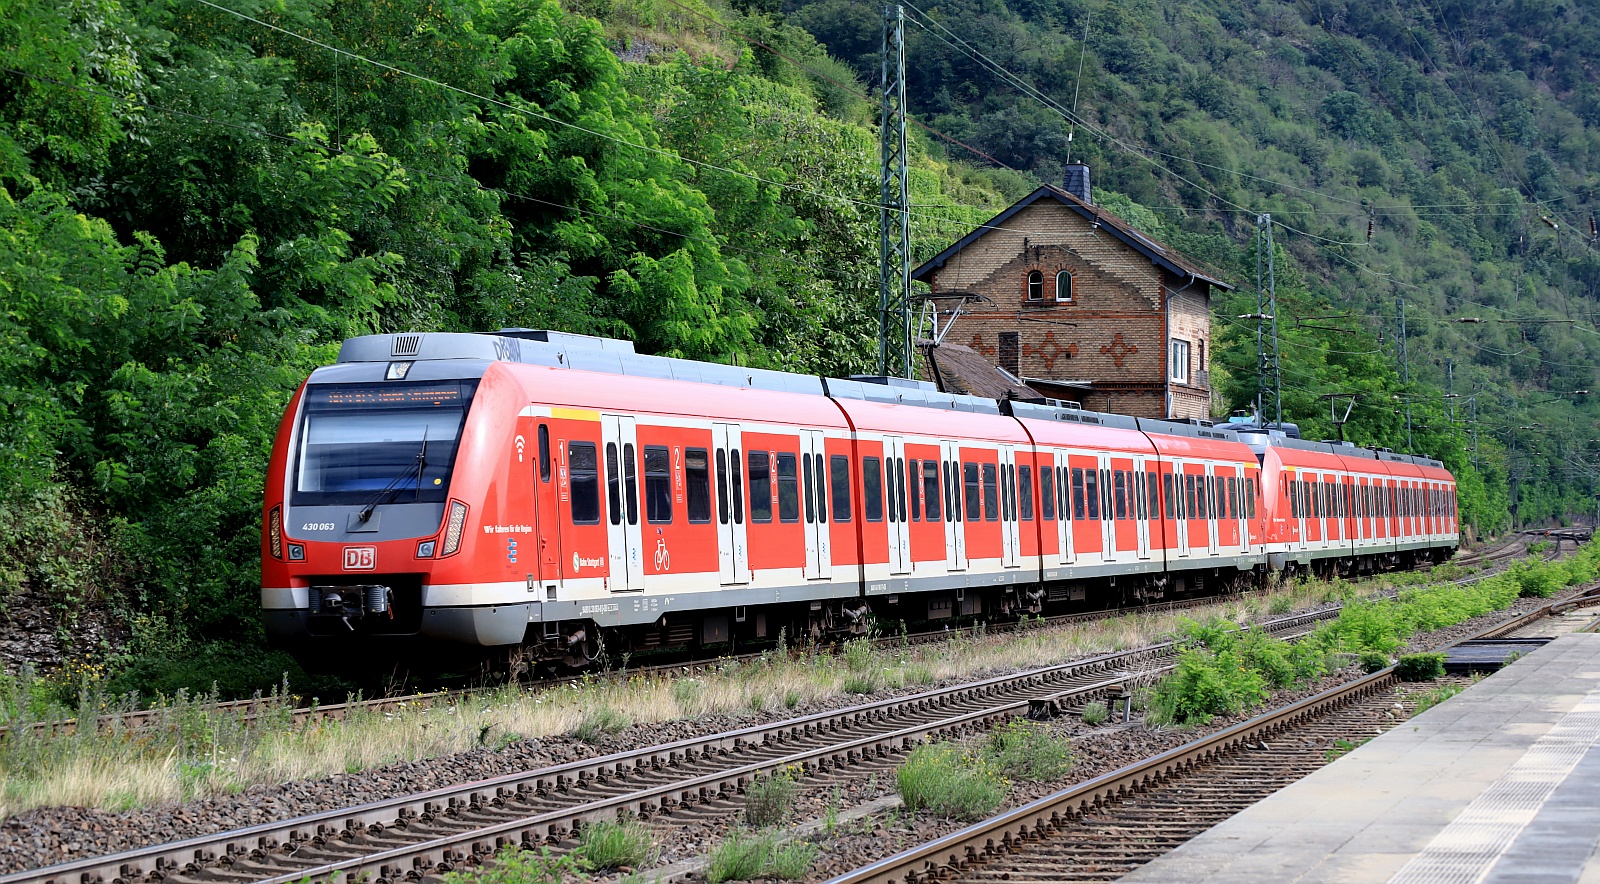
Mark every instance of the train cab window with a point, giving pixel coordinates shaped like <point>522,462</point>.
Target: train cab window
<point>734,464</point>
<point>760,487</point>
<point>839,475</point>
<point>972,490</point>
<point>1047,494</point>
<point>872,488</point>
<point>630,483</point>
<point>722,486</point>
<point>697,469</point>
<point>1120,493</point>
<point>991,494</point>
<point>822,490</point>
<point>930,489</point>
<point>914,488</point>
<point>1079,494</point>
<point>657,484</point>
<point>614,484</point>
<point>583,470</point>
<point>544,452</point>
<point>788,488</point>
<point>809,487</point>
<point>1025,492</point>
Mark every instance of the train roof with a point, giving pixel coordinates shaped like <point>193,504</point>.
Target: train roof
<point>612,356</point>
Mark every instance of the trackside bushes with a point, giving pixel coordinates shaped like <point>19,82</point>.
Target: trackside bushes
<point>1226,671</point>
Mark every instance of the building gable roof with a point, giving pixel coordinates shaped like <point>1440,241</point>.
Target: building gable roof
<point>1160,255</point>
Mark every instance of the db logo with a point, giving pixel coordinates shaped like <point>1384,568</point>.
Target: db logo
<point>360,558</point>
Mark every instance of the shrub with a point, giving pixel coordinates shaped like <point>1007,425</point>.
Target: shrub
<point>858,655</point>
<point>609,845</point>
<point>513,865</point>
<point>599,723</point>
<point>1027,750</point>
<point>948,781</point>
<point>745,856</point>
<point>1373,661</point>
<point>1281,605</point>
<point>1420,667</point>
<point>769,800</point>
<point>1537,579</point>
<point>1268,656</point>
<point>1095,713</point>
<point>1205,684</point>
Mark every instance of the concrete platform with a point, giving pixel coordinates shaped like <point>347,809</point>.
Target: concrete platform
<point>1500,784</point>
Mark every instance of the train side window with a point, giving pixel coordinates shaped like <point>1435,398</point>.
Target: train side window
<point>584,473</point>
<point>1250,497</point>
<point>930,489</point>
<point>1078,494</point>
<point>890,470</point>
<point>822,489</point>
<point>544,452</point>
<point>657,484</point>
<point>697,466</point>
<point>872,489</point>
<point>1008,493</point>
<point>788,488</point>
<point>1138,494</point>
<point>900,489</point>
<point>722,486</point>
<point>630,482</point>
<point>1025,491</point>
<point>1166,491</point>
<point>1233,497</point>
<point>991,494</point>
<point>1091,493</point>
<point>914,489</point>
<point>1188,494</point>
<point>1047,494</point>
<point>810,488</point>
<point>972,491</point>
<point>738,487</point>
<point>613,484</point>
<point>1119,481</point>
<point>839,465</point>
<point>760,487</point>
<point>1153,493</point>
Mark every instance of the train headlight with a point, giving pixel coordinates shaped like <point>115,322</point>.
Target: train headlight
<point>425,549</point>
<point>275,532</point>
<point>397,371</point>
<point>452,531</point>
<point>297,553</point>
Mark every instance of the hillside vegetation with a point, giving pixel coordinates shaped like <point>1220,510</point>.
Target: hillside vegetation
<point>199,200</point>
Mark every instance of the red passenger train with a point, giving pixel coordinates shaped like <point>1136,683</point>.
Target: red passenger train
<point>547,492</point>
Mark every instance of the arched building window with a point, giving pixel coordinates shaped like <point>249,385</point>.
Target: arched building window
<point>1035,286</point>
<point>1063,286</point>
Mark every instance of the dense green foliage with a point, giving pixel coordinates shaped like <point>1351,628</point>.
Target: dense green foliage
<point>196,206</point>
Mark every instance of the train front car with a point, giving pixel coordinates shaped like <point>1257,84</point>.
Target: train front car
<point>381,465</point>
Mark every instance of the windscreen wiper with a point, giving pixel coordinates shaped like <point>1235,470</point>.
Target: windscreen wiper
<point>417,465</point>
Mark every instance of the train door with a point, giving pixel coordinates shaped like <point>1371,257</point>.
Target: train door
<point>1064,512</point>
<point>1010,540</point>
<point>813,473</point>
<point>1301,503</point>
<point>894,486</point>
<point>1213,499</point>
<point>1178,511</point>
<point>733,558</point>
<point>624,541</point>
<point>1139,508</point>
<point>547,511</point>
<point>1241,507</point>
<point>955,538</point>
<point>1108,523</point>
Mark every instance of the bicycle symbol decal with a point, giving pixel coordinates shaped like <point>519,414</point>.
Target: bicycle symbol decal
<point>663,558</point>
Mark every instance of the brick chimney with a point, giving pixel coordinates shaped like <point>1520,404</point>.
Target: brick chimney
<point>1075,180</point>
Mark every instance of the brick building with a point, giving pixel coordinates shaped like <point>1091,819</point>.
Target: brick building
<point>1080,306</point>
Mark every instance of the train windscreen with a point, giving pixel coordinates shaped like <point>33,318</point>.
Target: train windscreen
<point>362,441</point>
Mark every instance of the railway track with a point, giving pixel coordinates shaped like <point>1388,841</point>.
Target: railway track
<point>258,707</point>
<point>415,835</point>
<point>1103,828</point>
